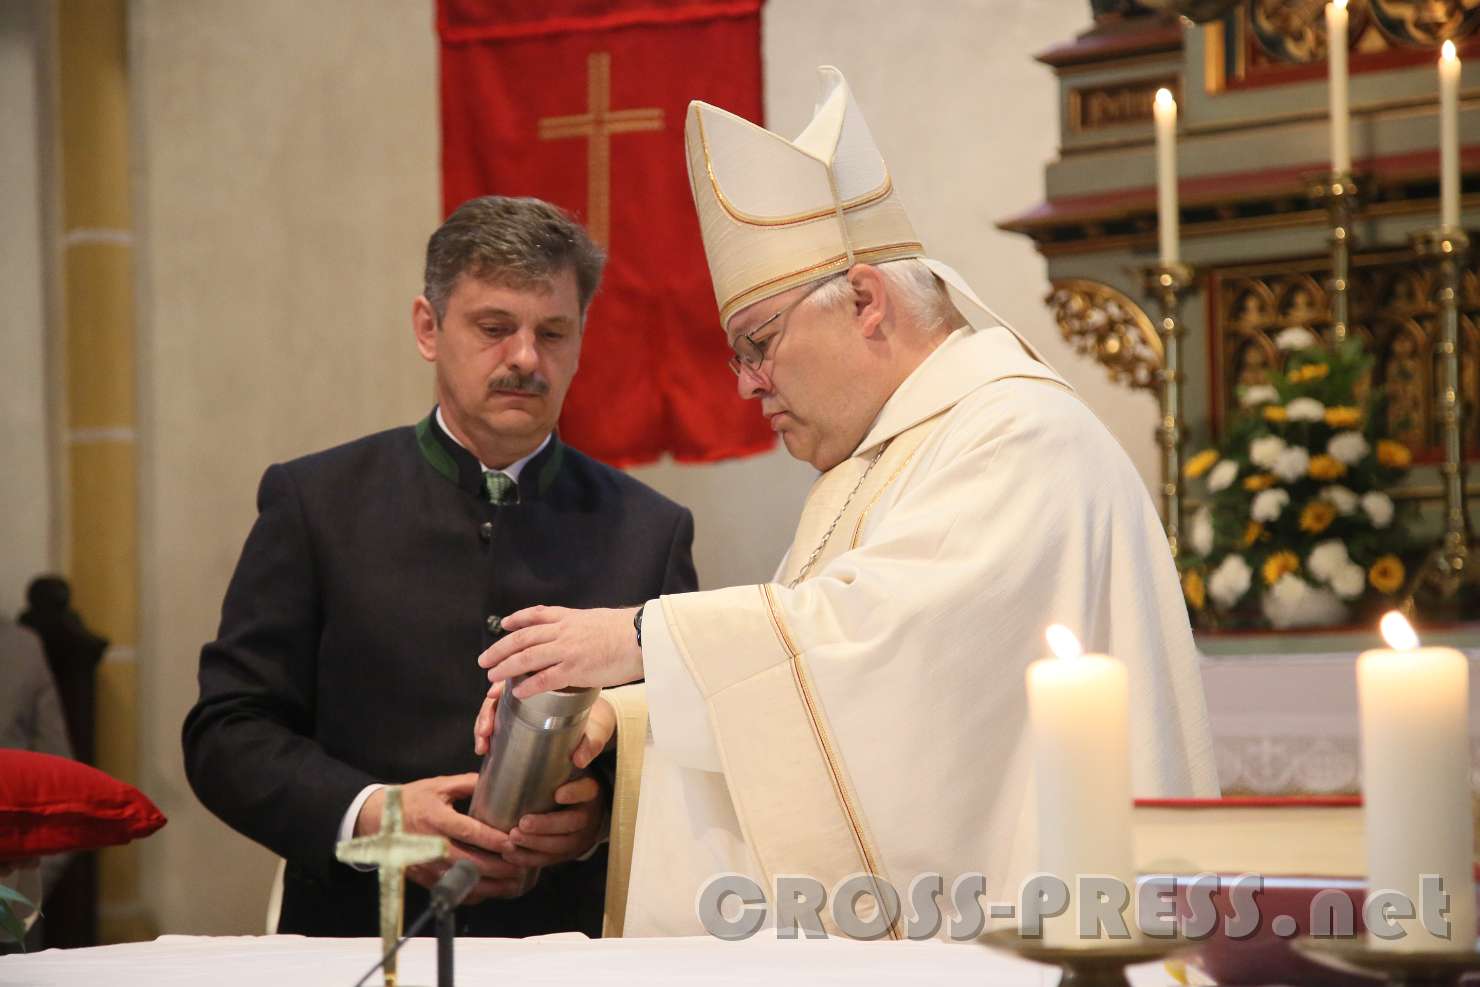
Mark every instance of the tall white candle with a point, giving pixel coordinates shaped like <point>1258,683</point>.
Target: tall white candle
<point>1077,706</point>
<point>1416,781</point>
<point>1165,111</point>
<point>1449,136</point>
<point>1341,149</point>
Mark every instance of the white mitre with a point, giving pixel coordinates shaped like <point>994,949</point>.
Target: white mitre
<point>776,213</point>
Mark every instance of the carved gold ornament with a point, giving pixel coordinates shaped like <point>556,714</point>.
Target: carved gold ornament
<point>1106,325</point>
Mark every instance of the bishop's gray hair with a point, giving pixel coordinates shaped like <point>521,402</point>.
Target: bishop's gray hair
<point>913,286</point>
<point>518,242</point>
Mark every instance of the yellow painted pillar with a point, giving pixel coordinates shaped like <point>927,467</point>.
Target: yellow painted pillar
<point>101,553</point>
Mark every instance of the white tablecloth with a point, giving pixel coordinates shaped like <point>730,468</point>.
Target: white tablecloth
<point>291,961</point>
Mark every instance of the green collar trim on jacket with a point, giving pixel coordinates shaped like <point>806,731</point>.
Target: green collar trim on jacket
<point>437,456</point>
<point>551,467</point>
<point>431,449</point>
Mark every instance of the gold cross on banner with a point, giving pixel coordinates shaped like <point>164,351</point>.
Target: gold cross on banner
<point>598,124</point>
<point>392,850</point>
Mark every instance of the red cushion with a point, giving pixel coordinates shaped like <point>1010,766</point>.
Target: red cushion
<point>51,804</point>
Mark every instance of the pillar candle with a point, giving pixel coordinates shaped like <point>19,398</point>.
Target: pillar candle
<point>1078,711</point>
<point>1414,705</point>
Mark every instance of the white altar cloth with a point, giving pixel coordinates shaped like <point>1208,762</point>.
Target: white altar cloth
<point>291,961</point>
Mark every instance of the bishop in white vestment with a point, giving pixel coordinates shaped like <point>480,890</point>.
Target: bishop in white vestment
<point>864,712</point>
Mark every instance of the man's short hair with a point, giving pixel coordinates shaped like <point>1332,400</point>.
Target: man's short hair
<point>516,242</point>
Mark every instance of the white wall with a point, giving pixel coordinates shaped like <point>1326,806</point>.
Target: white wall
<point>26,497</point>
<point>286,179</point>
<point>286,162</point>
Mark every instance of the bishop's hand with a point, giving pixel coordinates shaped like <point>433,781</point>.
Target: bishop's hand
<point>560,648</point>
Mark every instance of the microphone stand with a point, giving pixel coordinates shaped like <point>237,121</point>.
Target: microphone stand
<point>446,896</point>
<point>446,931</point>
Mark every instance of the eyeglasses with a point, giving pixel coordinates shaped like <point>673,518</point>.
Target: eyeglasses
<point>750,352</point>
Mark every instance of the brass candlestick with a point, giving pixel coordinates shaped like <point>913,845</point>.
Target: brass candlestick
<point>1396,967</point>
<point>1167,283</point>
<point>1449,566</point>
<point>1101,964</point>
<point>1338,191</point>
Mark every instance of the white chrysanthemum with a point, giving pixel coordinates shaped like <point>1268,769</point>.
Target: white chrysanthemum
<point>1327,559</point>
<point>1258,394</point>
<point>1230,581</point>
<point>1349,582</point>
<point>1268,504</point>
<point>1222,475</point>
<point>1340,498</point>
<point>1264,450</point>
<point>1349,447</point>
<point>1200,532</point>
<point>1379,508</point>
<point>1306,410</point>
<point>1292,464</point>
<point>1293,602</point>
<point>1296,338</point>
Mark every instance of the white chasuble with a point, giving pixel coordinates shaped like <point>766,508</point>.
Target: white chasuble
<point>872,718</point>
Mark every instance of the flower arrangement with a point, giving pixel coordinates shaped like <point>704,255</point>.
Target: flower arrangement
<point>1297,529</point>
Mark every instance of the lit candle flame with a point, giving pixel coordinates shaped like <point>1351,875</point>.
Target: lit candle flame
<point>1397,631</point>
<point>1339,4</point>
<point>1165,101</point>
<point>1062,642</point>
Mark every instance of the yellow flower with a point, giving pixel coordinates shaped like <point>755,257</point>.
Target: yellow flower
<point>1275,413</point>
<point>1393,454</point>
<point>1258,482</point>
<point>1386,574</point>
<point>1252,533</point>
<point>1200,464</point>
<point>1309,372</point>
<point>1193,588</point>
<point>1278,564</point>
<point>1343,416</point>
<point>1325,467</point>
<point>1317,517</point>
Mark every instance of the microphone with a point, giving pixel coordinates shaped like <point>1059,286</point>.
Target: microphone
<point>454,886</point>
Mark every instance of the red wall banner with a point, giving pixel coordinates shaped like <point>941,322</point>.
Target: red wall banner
<point>582,103</point>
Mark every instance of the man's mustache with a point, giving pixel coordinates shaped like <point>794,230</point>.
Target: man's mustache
<point>526,383</point>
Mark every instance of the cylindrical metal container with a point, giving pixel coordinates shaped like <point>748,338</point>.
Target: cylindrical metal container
<point>529,756</point>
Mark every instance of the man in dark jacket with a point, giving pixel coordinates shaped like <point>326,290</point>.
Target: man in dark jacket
<point>378,570</point>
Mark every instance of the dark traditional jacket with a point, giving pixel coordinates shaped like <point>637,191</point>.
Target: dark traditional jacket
<point>349,636</point>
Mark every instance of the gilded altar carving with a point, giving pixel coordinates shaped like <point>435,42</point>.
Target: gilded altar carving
<point>1394,313</point>
<point>1117,104</point>
<point>1270,41</point>
<point>1106,325</point>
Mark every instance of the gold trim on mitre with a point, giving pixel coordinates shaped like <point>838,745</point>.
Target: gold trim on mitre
<point>826,212</point>
<point>833,265</point>
<point>777,213</point>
